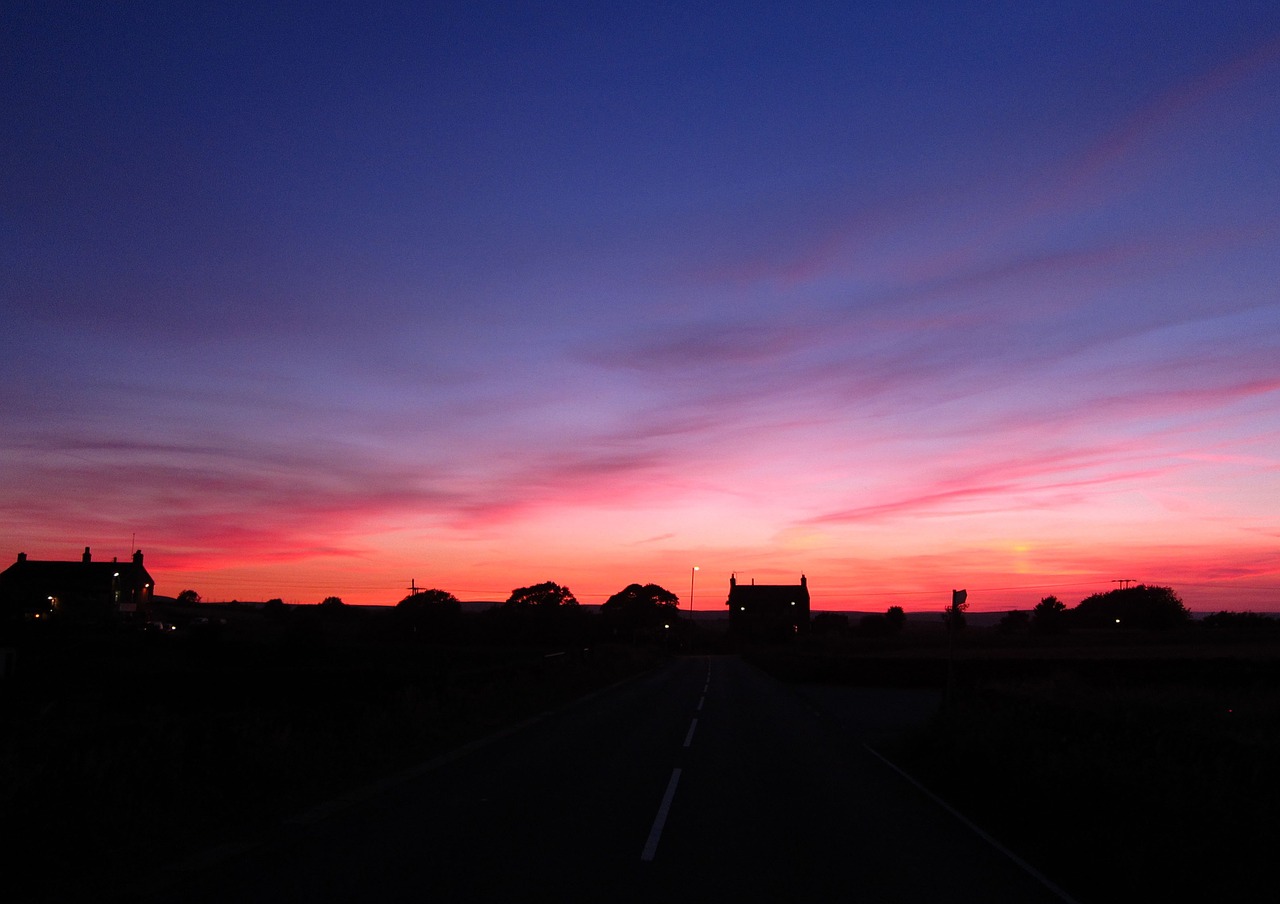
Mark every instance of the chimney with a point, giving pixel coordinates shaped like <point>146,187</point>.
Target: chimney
<point>137,558</point>
<point>22,557</point>
<point>87,557</point>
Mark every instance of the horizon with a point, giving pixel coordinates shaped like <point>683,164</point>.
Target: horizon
<point>979,614</point>
<point>715,608</point>
<point>311,302</point>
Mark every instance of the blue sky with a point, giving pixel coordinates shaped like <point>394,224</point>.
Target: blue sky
<point>320,298</point>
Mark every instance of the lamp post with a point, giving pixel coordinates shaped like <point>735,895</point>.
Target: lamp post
<point>692,573</point>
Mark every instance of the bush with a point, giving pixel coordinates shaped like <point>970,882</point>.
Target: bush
<point>830,623</point>
<point>1150,608</point>
<point>1049,616</point>
<point>1016,621</point>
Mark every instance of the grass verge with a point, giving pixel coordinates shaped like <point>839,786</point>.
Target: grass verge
<point>1123,773</point>
<point>120,754</point>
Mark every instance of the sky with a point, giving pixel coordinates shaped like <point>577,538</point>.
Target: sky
<point>312,299</point>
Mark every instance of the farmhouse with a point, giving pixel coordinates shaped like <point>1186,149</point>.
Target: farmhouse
<point>768,611</point>
<point>38,589</point>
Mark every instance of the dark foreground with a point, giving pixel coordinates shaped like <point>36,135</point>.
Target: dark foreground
<point>121,753</point>
<point>161,768</point>
<point>1135,767</point>
<point>704,780</point>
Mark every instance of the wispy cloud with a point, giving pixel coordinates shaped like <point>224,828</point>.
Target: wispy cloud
<point>1045,480</point>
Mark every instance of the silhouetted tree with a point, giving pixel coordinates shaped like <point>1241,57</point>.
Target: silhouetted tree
<point>274,609</point>
<point>332,602</point>
<point>434,613</point>
<point>1242,622</point>
<point>1014,621</point>
<point>547,595</point>
<point>1049,616</point>
<point>543,613</point>
<point>423,599</point>
<point>873,625</point>
<point>188,597</point>
<point>896,618</point>
<point>1152,608</point>
<point>638,608</point>
<point>829,623</point>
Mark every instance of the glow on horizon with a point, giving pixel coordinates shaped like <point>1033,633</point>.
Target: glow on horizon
<point>902,306</point>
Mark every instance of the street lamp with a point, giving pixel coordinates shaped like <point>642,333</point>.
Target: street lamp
<point>692,572</point>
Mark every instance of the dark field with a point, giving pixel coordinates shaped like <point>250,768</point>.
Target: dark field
<point>122,752</point>
<point>1125,767</point>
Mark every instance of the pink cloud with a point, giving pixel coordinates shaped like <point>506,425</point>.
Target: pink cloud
<point>1165,110</point>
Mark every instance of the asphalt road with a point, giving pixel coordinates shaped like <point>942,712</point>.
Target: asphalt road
<point>706,780</point>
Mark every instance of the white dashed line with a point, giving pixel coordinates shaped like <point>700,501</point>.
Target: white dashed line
<point>660,820</point>
<point>655,833</point>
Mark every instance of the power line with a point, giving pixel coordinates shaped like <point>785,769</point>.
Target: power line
<point>826,590</point>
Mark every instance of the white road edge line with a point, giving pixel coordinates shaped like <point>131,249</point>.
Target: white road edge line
<point>700,702</point>
<point>688,739</point>
<point>655,833</point>
<point>1025,866</point>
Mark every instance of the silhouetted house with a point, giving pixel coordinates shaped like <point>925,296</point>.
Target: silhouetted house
<point>768,611</point>
<point>37,589</point>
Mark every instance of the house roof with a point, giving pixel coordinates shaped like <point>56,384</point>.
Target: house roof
<point>768,594</point>
<point>71,578</point>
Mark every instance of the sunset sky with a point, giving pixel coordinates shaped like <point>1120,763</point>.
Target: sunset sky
<point>324,298</point>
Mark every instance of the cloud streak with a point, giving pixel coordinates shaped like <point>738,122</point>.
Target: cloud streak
<point>892,304</point>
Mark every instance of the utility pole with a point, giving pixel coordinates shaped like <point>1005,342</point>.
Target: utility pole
<point>1124,582</point>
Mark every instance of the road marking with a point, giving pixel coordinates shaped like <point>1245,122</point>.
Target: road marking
<point>655,833</point>
<point>688,739</point>
<point>702,701</point>
<point>1018,861</point>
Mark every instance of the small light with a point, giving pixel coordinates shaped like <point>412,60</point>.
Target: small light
<point>666,626</point>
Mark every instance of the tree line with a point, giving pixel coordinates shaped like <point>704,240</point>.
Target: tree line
<point>1140,606</point>
<point>548,608</point>
<point>544,612</point>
